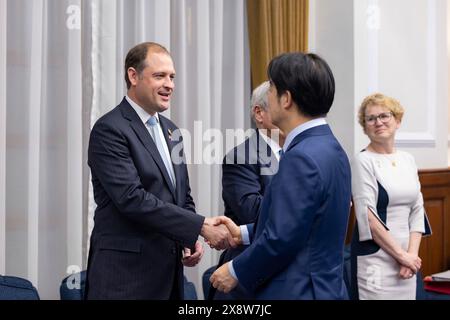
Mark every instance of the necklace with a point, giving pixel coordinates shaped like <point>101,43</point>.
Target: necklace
<point>390,157</point>
<point>391,160</point>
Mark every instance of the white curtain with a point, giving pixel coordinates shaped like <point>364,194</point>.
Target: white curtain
<point>61,67</point>
<point>207,39</point>
<point>41,122</point>
<point>2,132</point>
<point>210,49</point>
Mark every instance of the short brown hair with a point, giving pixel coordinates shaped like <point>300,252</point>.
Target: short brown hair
<point>137,55</point>
<point>379,99</point>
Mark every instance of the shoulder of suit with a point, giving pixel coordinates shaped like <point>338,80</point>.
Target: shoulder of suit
<point>240,146</point>
<point>239,154</point>
<point>110,117</point>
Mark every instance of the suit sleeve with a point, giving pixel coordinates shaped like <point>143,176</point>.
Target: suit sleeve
<point>113,168</point>
<point>241,190</point>
<point>296,194</point>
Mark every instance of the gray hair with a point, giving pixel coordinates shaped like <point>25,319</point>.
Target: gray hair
<point>259,97</point>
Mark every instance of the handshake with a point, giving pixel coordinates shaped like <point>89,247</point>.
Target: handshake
<point>221,233</point>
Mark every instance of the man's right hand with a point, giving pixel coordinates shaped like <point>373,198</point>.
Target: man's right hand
<point>234,229</point>
<point>216,234</point>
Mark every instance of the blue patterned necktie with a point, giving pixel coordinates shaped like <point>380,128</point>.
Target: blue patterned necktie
<point>154,131</point>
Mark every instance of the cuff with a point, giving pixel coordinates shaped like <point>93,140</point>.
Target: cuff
<point>231,270</point>
<point>245,235</point>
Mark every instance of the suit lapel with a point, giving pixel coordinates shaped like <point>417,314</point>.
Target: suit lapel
<point>267,162</point>
<point>167,131</point>
<point>145,138</point>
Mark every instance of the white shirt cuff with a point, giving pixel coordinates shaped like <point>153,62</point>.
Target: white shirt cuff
<point>245,235</point>
<point>231,270</point>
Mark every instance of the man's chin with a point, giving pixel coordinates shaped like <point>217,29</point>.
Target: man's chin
<point>163,107</point>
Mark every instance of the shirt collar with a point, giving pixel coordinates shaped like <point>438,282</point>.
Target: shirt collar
<point>303,127</point>
<point>274,146</point>
<point>143,115</point>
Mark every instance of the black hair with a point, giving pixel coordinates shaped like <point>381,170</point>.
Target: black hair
<point>307,77</point>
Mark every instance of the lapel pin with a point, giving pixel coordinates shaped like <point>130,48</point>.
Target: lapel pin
<point>170,134</point>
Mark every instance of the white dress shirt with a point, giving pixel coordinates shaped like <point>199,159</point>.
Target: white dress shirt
<point>144,116</point>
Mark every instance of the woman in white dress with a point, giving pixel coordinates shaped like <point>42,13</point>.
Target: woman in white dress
<point>389,208</point>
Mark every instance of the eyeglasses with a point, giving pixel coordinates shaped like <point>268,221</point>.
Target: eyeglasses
<point>384,117</point>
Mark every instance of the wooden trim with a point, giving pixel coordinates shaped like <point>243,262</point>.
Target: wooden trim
<point>435,177</point>
<point>435,250</point>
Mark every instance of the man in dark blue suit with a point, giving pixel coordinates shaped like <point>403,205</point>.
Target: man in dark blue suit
<point>145,218</point>
<point>297,242</point>
<point>246,172</point>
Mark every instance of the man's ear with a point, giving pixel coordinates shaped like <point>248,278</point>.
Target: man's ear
<point>286,99</point>
<point>257,112</point>
<point>132,76</point>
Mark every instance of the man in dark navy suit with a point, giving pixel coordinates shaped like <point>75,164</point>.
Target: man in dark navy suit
<point>246,172</point>
<point>297,244</point>
<point>145,219</point>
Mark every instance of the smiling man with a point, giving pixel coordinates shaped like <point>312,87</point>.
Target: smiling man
<point>146,227</point>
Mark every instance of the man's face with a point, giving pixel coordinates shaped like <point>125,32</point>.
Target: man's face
<point>154,86</point>
<point>263,118</point>
<point>274,109</point>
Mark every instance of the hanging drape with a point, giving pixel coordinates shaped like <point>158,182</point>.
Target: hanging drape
<point>42,129</point>
<point>61,68</point>
<point>275,26</point>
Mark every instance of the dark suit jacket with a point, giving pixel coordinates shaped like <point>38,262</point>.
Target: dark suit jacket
<point>247,171</point>
<point>297,247</point>
<point>141,222</point>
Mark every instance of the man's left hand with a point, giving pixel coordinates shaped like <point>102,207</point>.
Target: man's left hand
<point>192,259</point>
<point>222,280</point>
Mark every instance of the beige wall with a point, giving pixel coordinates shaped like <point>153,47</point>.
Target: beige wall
<point>395,47</point>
